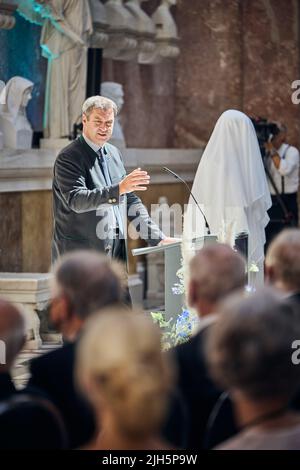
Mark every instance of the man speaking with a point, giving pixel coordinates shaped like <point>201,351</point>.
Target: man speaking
<point>92,195</point>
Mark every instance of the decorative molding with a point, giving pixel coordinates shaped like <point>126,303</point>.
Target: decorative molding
<point>31,292</point>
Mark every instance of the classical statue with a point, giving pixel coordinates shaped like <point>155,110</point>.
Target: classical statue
<point>115,92</point>
<point>165,25</point>
<point>145,25</point>
<point>123,32</point>
<point>66,28</point>
<point>14,97</point>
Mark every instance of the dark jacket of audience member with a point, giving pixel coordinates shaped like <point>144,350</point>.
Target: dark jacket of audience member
<point>26,422</point>
<point>215,271</point>
<point>249,354</point>
<point>84,282</point>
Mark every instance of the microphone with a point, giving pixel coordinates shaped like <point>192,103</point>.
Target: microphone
<point>191,194</point>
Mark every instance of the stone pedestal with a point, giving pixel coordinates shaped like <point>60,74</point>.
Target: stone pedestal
<point>31,293</point>
<point>54,144</point>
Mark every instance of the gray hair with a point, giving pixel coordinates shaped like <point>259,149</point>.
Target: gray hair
<point>89,280</point>
<point>249,347</point>
<point>217,270</point>
<point>98,102</point>
<point>284,256</point>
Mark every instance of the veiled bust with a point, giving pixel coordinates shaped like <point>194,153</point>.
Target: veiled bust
<point>14,124</point>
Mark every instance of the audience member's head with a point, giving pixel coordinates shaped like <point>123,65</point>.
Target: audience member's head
<point>249,351</point>
<point>12,334</point>
<point>123,372</point>
<point>283,261</point>
<point>215,271</point>
<point>84,281</point>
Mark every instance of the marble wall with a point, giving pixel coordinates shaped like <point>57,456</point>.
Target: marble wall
<point>240,54</point>
<point>235,54</point>
<point>208,72</point>
<point>272,60</point>
<point>25,231</point>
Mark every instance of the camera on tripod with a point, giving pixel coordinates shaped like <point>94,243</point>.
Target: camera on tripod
<point>265,131</point>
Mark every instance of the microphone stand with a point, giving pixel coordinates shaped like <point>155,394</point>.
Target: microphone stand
<point>191,194</point>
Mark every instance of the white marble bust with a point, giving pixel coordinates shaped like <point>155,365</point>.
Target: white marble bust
<point>15,126</point>
<point>123,32</point>
<point>164,22</point>
<point>115,92</point>
<point>2,85</point>
<point>99,38</point>
<point>145,25</point>
<point>166,35</point>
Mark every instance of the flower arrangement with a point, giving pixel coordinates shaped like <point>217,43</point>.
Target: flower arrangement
<point>176,330</point>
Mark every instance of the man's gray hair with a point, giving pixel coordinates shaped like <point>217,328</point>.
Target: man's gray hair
<point>249,348</point>
<point>283,256</point>
<point>217,270</point>
<point>90,280</point>
<point>98,102</point>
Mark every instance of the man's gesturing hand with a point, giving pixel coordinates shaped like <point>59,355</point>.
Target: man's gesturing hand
<point>137,180</point>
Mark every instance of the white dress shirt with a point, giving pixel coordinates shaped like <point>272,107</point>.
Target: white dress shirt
<point>288,170</point>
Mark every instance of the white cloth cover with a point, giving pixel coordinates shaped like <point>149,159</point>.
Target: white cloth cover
<point>231,187</point>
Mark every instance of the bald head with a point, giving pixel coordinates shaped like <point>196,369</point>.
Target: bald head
<point>89,280</point>
<point>12,333</point>
<point>283,260</point>
<point>215,271</point>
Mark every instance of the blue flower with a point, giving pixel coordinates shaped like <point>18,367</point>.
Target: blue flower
<point>182,334</point>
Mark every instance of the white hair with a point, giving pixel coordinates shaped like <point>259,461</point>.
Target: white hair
<point>98,102</point>
<point>284,256</point>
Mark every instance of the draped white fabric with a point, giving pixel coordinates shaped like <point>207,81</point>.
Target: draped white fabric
<point>13,93</point>
<point>231,187</point>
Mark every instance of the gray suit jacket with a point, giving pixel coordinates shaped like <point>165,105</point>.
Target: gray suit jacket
<point>82,202</point>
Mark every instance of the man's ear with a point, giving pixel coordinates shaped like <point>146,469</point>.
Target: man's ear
<point>270,274</point>
<point>60,310</point>
<point>84,118</point>
<point>192,293</point>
